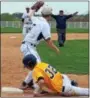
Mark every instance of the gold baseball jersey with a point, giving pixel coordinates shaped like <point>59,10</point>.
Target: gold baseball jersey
<point>52,78</point>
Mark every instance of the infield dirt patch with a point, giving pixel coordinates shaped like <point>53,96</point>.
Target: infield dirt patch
<point>72,36</point>
<point>12,71</point>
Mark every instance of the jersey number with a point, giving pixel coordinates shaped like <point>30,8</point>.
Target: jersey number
<point>51,71</point>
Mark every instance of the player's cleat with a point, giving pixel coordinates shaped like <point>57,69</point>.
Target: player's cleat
<point>74,83</point>
<point>44,92</point>
<point>61,45</point>
<point>26,86</point>
<point>30,84</point>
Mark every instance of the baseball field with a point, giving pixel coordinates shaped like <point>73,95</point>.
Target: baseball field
<point>73,60</point>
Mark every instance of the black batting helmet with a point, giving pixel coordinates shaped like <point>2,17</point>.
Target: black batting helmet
<point>29,60</point>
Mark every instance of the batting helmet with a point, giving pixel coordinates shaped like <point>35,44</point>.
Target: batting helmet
<point>29,60</point>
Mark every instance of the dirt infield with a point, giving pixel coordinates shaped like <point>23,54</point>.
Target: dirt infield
<point>12,71</point>
<point>72,36</point>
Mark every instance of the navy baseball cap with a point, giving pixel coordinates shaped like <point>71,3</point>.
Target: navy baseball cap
<point>29,60</point>
<point>61,11</point>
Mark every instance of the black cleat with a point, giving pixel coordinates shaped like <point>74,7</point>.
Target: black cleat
<point>26,86</point>
<point>61,45</point>
<point>74,83</point>
<point>30,84</point>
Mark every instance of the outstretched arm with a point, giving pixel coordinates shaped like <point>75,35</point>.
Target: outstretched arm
<point>54,16</point>
<point>74,13</point>
<point>71,15</point>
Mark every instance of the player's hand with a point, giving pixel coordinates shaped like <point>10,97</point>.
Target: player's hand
<point>57,51</point>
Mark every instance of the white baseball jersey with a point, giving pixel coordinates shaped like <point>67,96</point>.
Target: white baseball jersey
<point>40,30</point>
<point>27,20</point>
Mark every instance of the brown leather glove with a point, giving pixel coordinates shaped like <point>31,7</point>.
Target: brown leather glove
<point>37,5</point>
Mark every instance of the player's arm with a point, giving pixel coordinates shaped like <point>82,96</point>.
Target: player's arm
<point>71,15</point>
<point>52,45</point>
<point>47,37</point>
<point>54,16</point>
<point>22,19</point>
<point>32,12</point>
<point>41,85</point>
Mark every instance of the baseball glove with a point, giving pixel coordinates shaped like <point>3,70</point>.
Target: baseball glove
<point>37,5</point>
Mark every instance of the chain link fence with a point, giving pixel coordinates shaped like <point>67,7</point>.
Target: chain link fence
<point>18,24</point>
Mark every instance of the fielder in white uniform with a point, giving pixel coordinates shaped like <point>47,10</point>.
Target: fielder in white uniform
<point>26,21</point>
<point>40,30</point>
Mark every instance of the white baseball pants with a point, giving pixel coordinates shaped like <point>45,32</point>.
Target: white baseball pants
<point>73,90</point>
<point>26,49</point>
<point>24,31</point>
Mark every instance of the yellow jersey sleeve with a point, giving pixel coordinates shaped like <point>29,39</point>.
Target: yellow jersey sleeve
<point>36,75</point>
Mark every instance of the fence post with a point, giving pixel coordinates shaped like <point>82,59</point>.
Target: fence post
<point>80,24</point>
<point>6,23</point>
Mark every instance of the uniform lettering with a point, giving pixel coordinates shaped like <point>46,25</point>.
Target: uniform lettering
<point>50,71</point>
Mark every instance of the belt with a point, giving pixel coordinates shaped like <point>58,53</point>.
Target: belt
<point>27,23</point>
<point>63,88</point>
<point>30,44</point>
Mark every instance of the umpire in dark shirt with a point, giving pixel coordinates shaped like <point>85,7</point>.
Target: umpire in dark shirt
<point>61,26</point>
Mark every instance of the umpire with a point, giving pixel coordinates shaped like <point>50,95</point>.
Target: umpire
<point>61,26</point>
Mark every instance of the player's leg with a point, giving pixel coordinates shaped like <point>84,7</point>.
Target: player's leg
<point>61,38</point>
<point>28,82</point>
<point>60,42</point>
<point>33,51</point>
<point>58,35</point>
<point>66,80</point>
<point>73,90</point>
<point>64,35</point>
<point>79,91</point>
<point>28,77</point>
<point>27,49</point>
<point>63,31</point>
<point>24,31</point>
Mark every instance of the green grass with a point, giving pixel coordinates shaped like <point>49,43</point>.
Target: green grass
<point>73,57</point>
<point>11,30</point>
<point>53,30</point>
<point>77,30</point>
<point>72,30</point>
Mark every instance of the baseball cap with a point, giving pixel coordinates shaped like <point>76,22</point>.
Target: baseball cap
<point>61,11</point>
<point>46,10</point>
<point>27,7</point>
